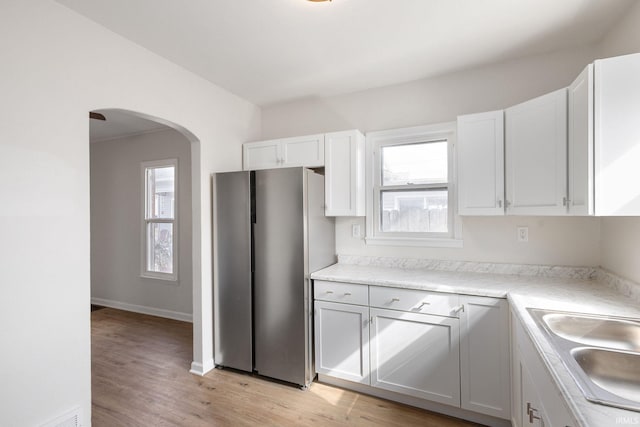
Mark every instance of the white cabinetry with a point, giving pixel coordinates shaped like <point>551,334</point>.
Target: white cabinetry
<point>261,155</point>
<point>341,321</point>
<point>344,173</point>
<point>604,138</point>
<point>536,156</point>
<point>532,416</point>
<point>416,354</point>
<point>442,347</point>
<point>341,153</point>
<point>484,356</point>
<point>342,341</point>
<point>617,135</point>
<point>536,401</point>
<point>480,155</point>
<point>286,152</point>
<point>580,191</point>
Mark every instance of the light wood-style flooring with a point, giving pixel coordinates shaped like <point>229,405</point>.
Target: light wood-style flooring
<point>140,378</point>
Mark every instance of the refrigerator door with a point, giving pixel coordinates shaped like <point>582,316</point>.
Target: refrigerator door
<point>232,291</point>
<point>281,334</point>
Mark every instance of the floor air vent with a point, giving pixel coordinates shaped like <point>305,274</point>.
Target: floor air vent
<point>72,418</point>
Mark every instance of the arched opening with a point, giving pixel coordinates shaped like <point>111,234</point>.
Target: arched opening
<point>129,135</point>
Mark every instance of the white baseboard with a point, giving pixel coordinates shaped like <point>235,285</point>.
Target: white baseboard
<point>201,369</point>
<point>160,312</point>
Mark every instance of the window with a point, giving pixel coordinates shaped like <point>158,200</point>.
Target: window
<point>159,241</point>
<point>411,183</point>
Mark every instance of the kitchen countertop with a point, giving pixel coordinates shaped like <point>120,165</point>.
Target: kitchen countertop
<point>567,294</point>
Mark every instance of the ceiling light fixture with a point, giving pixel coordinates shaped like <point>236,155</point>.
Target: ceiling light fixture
<point>318,1</point>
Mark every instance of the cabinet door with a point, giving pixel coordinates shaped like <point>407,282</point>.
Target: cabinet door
<point>261,155</point>
<point>536,387</point>
<point>532,414</point>
<point>303,151</point>
<point>480,169</point>
<point>536,155</point>
<point>416,354</point>
<point>484,356</point>
<point>617,135</point>
<point>580,192</point>
<point>344,173</point>
<point>342,341</point>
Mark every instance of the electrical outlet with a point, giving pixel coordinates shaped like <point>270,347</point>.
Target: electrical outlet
<point>355,231</point>
<point>523,234</point>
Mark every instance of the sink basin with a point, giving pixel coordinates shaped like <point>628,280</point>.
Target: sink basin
<point>597,331</point>
<point>602,354</point>
<point>617,372</point>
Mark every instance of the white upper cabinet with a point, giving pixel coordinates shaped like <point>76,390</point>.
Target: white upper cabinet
<point>261,155</point>
<point>344,173</point>
<point>580,191</point>
<point>480,164</point>
<point>536,156</point>
<point>286,152</point>
<point>303,151</point>
<point>617,135</point>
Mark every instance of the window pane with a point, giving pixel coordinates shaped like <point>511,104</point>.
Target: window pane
<point>414,211</point>
<point>160,247</point>
<point>160,192</point>
<point>423,163</point>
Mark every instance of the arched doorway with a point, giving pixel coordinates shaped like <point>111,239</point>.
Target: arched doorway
<point>135,133</point>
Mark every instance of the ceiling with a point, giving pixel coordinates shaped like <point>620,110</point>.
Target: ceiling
<point>269,51</point>
<point>120,124</point>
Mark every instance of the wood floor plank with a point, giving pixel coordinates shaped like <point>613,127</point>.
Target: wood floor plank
<point>140,378</point>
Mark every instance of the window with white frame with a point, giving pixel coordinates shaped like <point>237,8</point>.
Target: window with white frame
<point>412,189</point>
<point>159,235</point>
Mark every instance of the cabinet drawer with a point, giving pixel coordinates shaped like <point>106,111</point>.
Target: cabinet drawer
<point>349,293</point>
<point>425,302</point>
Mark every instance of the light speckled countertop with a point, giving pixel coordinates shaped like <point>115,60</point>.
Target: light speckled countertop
<point>579,295</point>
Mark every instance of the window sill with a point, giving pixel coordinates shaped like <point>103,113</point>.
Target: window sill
<point>164,278</point>
<point>408,241</point>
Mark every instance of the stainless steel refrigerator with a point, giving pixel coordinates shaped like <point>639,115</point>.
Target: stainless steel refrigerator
<point>270,234</point>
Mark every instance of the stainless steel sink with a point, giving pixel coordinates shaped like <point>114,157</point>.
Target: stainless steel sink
<point>598,331</point>
<point>618,372</point>
<point>601,353</point>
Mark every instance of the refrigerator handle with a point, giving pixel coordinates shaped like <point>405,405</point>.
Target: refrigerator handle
<point>253,250</point>
<point>252,191</point>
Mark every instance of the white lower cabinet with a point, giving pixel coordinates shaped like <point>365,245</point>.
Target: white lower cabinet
<point>531,414</point>
<point>416,354</point>
<point>441,347</point>
<point>342,341</point>
<point>484,356</point>
<point>536,399</point>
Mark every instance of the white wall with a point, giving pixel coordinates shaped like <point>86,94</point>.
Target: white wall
<point>620,251</point>
<point>56,66</point>
<point>432,100</point>
<point>552,240</point>
<point>624,37</point>
<point>116,237</point>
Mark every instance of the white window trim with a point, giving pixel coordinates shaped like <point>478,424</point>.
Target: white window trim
<point>144,221</point>
<point>452,239</point>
